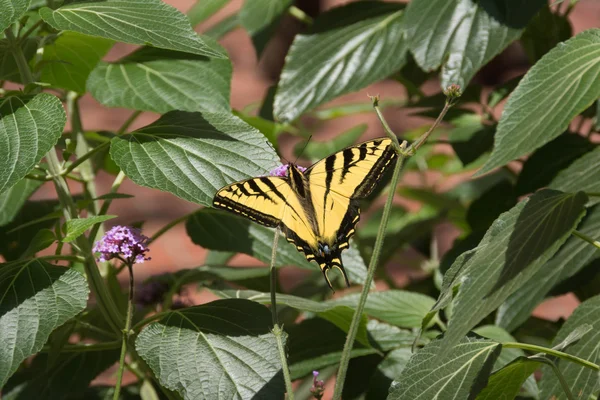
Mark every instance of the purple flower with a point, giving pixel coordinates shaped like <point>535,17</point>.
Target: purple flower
<point>318,387</point>
<point>123,242</point>
<point>282,170</point>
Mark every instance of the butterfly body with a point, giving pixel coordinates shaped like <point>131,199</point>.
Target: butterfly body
<point>316,209</point>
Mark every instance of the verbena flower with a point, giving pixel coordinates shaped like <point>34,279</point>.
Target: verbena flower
<point>123,242</point>
<point>282,170</point>
<point>318,387</point>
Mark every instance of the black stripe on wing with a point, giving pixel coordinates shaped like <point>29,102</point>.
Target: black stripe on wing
<point>241,209</point>
<point>387,159</point>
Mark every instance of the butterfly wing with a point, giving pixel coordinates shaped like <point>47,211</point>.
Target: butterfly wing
<point>272,202</point>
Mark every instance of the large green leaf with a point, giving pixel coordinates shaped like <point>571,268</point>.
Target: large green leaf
<point>582,380</point>
<point>162,80</point>
<point>71,58</point>
<point>12,11</point>
<point>569,260</point>
<point>9,70</point>
<point>29,127</point>
<point>222,349</point>
<point>66,377</point>
<point>556,89</point>
<point>36,297</point>
<point>260,19</point>
<point>544,32</point>
<point>580,175</point>
<point>463,35</point>
<point>192,155</point>
<point>513,249</point>
<point>350,47</point>
<point>461,374</point>
<point>338,314</point>
<point>143,22</point>
<point>547,161</point>
<point>218,230</point>
<point>13,199</point>
<point>506,383</point>
<point>77,226</point>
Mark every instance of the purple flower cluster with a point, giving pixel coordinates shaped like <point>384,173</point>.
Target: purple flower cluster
<point>123,242</point>
<point>282,170</point>
<point>318,387</point>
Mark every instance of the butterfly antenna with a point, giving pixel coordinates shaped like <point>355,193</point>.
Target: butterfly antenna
<point>276,152</point>
<point>304,148</point>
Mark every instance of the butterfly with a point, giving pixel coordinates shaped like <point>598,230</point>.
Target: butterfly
<point>317,209</point>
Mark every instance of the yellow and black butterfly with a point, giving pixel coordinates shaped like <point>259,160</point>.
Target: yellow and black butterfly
<point>317,209</point>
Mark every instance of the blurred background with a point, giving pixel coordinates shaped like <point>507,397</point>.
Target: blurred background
<point>251,79</point>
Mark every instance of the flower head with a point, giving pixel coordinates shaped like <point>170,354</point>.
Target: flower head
<point>282,170</point>
<point>318,387</point>
<point>123,242</point>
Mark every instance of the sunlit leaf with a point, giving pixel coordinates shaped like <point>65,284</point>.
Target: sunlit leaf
<point>13,199</point>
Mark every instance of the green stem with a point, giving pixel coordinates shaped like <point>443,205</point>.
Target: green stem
<point>24,70</point>
<point>84,158</point>
<point>59,257</point>
<point>104,209</point>
<point>30,31</point>
<point>277,331</point>
<point>80,348</point>
<point>149,319</point>
<point>559,375</point>
<point>592,194</point>
<point>552,352</point>
<point>125,335</point>
<point>128,122</point>
<point>300,15</point>
<point>170,225</point>
<point>586,238</point>
<point>421,141</point>
<point>402,154</point>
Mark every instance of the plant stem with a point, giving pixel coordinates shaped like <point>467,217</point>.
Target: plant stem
<point>402,153</point>
<point>585,237</point>
<point>80,348</point>
<point>300,15</point>
<point>104,209</point>
<point>59,257</point>
<point>149,319</point>
<point>24,70</point>
<point>125,334</point>
<point>559,375</point>
<point>30,31</point>
<point>170,225</point>
<point>552,352</point>
<point>84,157</point>
<point>277,331</point>
<point>128,122</point>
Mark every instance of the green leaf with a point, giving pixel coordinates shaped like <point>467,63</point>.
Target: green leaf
<point>351,47</point>
<point>36,297</point>
<point>218,230</point>
<point>461,374</point>
<point>29,127</point>
<point>471,139</point>
<point>556,89</point>
<point>463,35</point>
<point>572,257</point>
<point>544,32</point>
<point>204,9</point>
<point>389,369</point>
<point>316,151</point>
<point>12,11</point>
<point>219,349</point>
<point>260,19</point>
<point>338,314</point>
<point>507,356</point>
<point>76,227</point>
<point>16,237</point>
<point>71,58</point>
<point>66,377</point>
<point>224,27</point>
<point>13,199</point>
<point>506,383</point>
<point>500,265</point>
<point>43,239</point>
<point>9,70</point>
<point>143,22</point>
<point>484,211</point>
<point>580,175</point>
<point>582,380</point>
<point>397,307</point>
<point>192,155</point>
<point>161,81</point>
<point>546,162</point>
